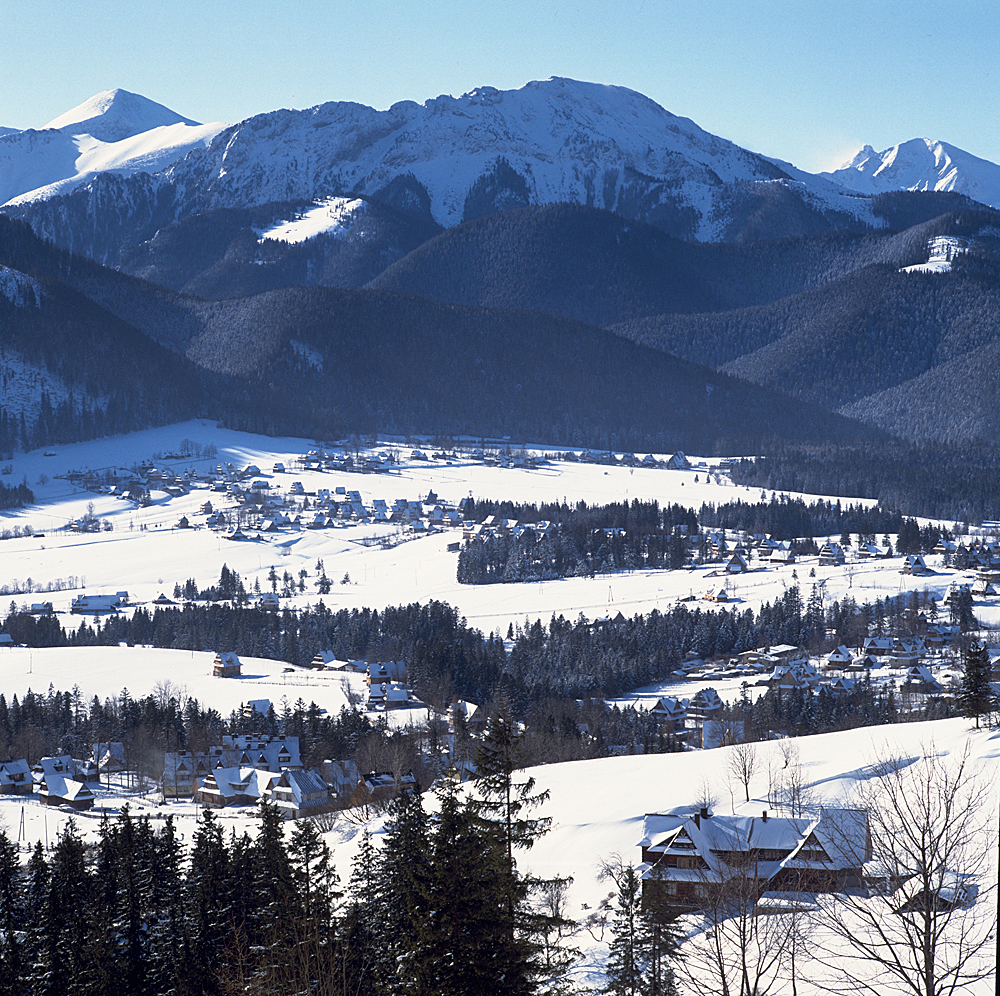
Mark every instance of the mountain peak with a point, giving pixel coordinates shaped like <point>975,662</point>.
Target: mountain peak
<point>921,164</point>
<point>113,115</point>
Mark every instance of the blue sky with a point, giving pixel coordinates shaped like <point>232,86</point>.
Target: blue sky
<point>808,82</point>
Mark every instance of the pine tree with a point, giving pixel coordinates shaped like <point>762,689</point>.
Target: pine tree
<point>67,909</point>
<point>11,923</point>
<point>167,919</point>
<point>629,956</point>
<point>207,889</point>
<point>403,874</point>
<point>463,948</point>
<point>35,954</point>
<point>975,695</point>
<point>363,962</point>
<point>502,804</point>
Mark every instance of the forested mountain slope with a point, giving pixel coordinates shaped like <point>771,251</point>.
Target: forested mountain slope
<point>326,362</point>
<point>845,343</point>
<point>601,268</point>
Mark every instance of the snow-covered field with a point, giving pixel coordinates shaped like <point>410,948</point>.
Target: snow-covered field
<point>145,554</point>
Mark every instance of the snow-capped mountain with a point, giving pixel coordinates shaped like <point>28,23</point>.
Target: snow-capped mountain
<point>550,141</point>
<point>921,164</point>
<point>112,115</point>
<point>115,131</point>
<point>452,159</point>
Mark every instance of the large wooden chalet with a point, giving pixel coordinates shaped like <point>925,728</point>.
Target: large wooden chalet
<point>690,860</point>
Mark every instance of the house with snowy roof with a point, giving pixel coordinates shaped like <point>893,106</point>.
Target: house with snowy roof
<point>343,777</point>
<point>264,751</point>
<point>379,671</point>
<point>467,714</point>
<point>690,860</point>
<point>15,777</point>
<point>704,704</point>
<point>913,563</point>
<point>831,555</point>
<point>63,790</point>
<point>223,787</point>
<point>389,695</point>
<point>379,787</point>
<point>878,646</point>
<point>98,604</point>
<point>781,554</point>
<point>671,713</point>
<point>737,564</point>
<point>797,676</point>
<point>919,679</point>
<point>226,665</point>
<point>302,793</point>
<point>839,657</point>
<point>842,686</point>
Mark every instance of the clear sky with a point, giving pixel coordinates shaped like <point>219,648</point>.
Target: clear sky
<point>808,81</point>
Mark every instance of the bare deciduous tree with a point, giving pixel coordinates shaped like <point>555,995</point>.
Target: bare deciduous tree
<point>926,925</point>
<point>743,765</point>
<point>741,947</point>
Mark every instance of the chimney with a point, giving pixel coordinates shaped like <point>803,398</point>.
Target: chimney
<point>704,812</point>
<point>764,816</point>
<point>697,820</point>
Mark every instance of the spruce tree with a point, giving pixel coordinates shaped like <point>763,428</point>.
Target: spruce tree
<point>403,873</point>
<point>314,954</point>
<point>363,956</point>
<point>167,917</point>
<point>463,948</point>
<point>207,898</point>
<point>503,804</point>
<point>12,969</point>
<point>629,956</point>
<point>975,695</point>
<point>35,952</point>
<point>66,919</point>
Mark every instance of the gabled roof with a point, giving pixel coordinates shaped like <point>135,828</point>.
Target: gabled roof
<point>61,787</point>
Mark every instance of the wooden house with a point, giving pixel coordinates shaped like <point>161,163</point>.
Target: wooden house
<point>226,665</point>
<point>737,564</point>
<point>839,657</point>
<point>236,786</point>
<point>15,777</point>
<point>919,679</point>
<point>704,704</point>
<point>671,713</point>
<point>913,563</point>
<point>62,790</point>
<point>302,793</point>
<point>467,714</point>
<point>831,555</point>
<point>688,858</point>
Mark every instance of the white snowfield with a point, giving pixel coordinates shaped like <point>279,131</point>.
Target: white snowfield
<point>330,216</point>
<point>105,671</point>
<point>941,250</point>
<point>145,554</point>
<point>115,131</point>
